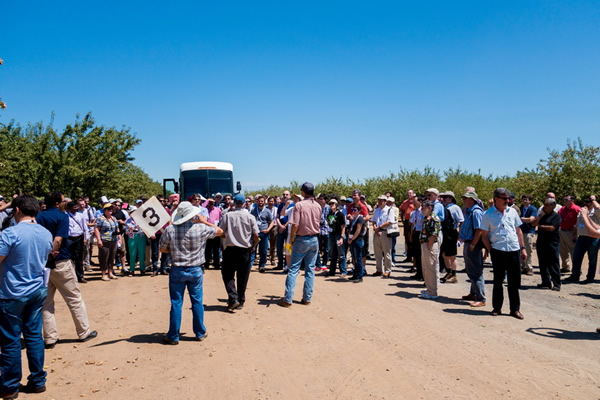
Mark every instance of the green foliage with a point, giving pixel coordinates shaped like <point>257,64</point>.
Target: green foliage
<point>83,159</point>
<point>575,170</point>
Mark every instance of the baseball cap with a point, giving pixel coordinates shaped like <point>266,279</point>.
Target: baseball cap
<point>239,198</point>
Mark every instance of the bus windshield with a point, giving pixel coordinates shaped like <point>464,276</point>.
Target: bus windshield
<point>207,182</point>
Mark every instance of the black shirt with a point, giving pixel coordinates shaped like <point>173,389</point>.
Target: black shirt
<point>549,238</point>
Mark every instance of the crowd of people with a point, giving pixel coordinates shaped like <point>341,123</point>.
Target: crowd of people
<point>47,247</point>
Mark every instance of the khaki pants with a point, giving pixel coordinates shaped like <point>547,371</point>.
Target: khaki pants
<point>430,260</point>
<point>63,279</point>
<point>383,252</point>
<point>567,245</point>
<point>529,239</point>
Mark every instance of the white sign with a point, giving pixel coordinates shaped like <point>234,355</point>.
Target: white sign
<point>151,216</point>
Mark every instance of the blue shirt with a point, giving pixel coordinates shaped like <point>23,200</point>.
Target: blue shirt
<point>416,218</point>
<point>26,247</point>
<point>438,209</point>
<point>471,223</point>
<point>57,223</point>
<point>530,211</point>
<point>263,217</point>
<point>502,228</point>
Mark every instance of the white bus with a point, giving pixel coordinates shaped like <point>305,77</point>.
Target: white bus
<point>205,177</point>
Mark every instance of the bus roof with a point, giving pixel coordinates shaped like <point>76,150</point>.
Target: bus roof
<point>188,166</point>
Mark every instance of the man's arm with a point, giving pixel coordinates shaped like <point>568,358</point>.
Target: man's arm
<point>2,259</point>
<point>592,228</point>
<point>521,242</point>
<point>293,233</point>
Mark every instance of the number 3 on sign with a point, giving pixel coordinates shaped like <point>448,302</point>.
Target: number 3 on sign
<point>151,216</point>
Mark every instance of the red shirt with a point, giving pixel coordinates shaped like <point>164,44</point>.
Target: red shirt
<point>363,209</point>
<point>568,217</point>
<point>406,208</point>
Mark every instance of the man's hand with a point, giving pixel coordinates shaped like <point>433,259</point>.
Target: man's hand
<point>584,211</point>
<point>523,254</point>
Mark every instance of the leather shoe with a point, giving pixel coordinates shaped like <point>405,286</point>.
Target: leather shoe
<point>495,313</point>
<point>166,340</point>
<point>517,314</point>
<point>233,306</point>
<point>30,389</point>
<point>9,396</point>
<point>283,303</point>
<point>544,286</point>
<point>305,302</point>
<point>378,273</point>
<point>201,338</point>
<point>469,297</point>
<point>50,346</point>
<point>478,304</point>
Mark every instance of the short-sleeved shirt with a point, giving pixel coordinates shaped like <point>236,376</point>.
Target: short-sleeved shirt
<point>263,217</point>
<point>109,228</point>
<point>307,215</point>
<point>239,228</point>
<point>501,228</point>
<point>456,213</point>
<point>472,223</point>
<point>354,227</point>
<point>364,211</point>
<point>336,222</point>
<point>545,237</point>
<point>568,217</point>
<point>438,209</point>
<point>406,208</point>
<point>431,227</point>
<point>26,247</point>
<point>186,243</point>
<point>594,216</point>
<point>57,223</point>
<point>530,211</point>
<point>416,219</point>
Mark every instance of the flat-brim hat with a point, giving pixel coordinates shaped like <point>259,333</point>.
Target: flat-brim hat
<point>470,195</point>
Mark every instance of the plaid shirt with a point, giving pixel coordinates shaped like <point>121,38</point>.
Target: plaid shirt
<point>186,243</point>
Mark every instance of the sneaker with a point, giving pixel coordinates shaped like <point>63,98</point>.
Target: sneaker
<point>357,280</point>
<point>452,279</point>
<point>233,306</point>
<point>91,336</point>
<point>201,338</point>
<point>427,296</point>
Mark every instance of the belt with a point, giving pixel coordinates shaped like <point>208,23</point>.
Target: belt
<point>74,237</point>
<point>308,235</point>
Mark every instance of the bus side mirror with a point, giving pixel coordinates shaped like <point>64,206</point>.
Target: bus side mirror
<point>238,186</point>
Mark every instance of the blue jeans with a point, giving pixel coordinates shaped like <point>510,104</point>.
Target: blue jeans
<point>23,315</point>
<point>263,250</point>
<point>474,265</point>
<point>280,240</point>
<point>585,244</point>
<point>305,247</point>
<point>357,254</point>
<point>336,252</point>
<point>179,279</point>
<point>324,245</point>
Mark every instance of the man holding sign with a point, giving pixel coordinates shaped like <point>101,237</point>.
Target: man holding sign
<point>146,221</point>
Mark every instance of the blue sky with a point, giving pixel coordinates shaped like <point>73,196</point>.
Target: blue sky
<point>307,90</point>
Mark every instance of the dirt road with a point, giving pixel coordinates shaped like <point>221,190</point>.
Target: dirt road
<point>375,339</point>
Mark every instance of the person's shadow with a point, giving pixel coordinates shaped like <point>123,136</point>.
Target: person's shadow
<point>556,333</point>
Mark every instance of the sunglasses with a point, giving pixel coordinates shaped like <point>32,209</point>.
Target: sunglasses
<point>505,198</point>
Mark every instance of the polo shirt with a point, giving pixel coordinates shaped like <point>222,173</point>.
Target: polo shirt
<point>568,217</point>
<point>501,228</point>
<point>406,208</point>
<point>472,223</point>
<point>263,217</point>
<point>530,211</point>
<point>307,215</point>
<point>26,247</point>
<point>57,223</point>
<point>239,228</point>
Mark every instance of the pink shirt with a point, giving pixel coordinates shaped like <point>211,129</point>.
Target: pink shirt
<point>214,215</point>
<point>307,215</point>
